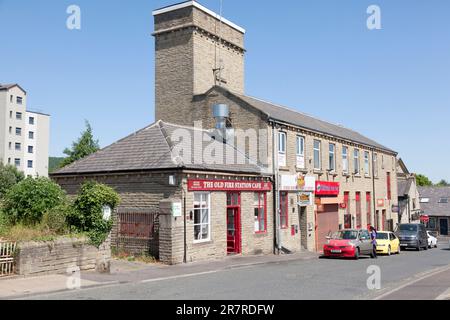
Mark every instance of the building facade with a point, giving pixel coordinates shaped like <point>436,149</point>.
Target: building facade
<point>408,195</point>
<point>199,63</point>
<point>24,135</point>
<point>435,204</point>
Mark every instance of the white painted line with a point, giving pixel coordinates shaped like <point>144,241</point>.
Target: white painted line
<point>182,276</point>
<point>445,295</point>
<point>416,279</point>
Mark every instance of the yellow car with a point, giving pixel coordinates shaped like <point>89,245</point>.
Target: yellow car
<point>387,243</point>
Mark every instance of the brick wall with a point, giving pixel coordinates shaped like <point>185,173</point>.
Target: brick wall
<point>55,257</point>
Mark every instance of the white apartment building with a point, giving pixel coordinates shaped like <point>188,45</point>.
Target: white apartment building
<point>24,135</point>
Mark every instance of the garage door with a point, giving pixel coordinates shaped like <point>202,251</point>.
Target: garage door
<point>327,221</point>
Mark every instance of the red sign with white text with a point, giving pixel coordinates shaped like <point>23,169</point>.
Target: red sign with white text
<point>325,188</point>
<point>228,185</point>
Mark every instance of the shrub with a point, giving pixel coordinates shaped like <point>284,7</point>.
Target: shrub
<point>87,213</point>
<point>9,176</point>
<point>27,201</point>
<point>55,219</point>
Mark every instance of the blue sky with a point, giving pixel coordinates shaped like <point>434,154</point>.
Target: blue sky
<point>317,56</point>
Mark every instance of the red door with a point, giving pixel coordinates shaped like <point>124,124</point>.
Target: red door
<point>327,224</point>
<point>383,220</point>
<point>233,223</point>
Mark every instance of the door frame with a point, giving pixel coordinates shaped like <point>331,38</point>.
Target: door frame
<point>237,223</point>
<point>443,219</point>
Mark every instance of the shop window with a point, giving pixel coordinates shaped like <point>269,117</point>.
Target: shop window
<point>260,210</point>
<point>284,207</point>
<point>202,217</point>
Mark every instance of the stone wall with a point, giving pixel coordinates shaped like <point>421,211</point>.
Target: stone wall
<point>57,257</point>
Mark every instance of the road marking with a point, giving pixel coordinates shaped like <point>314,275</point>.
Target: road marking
<point>417,278</point>
<point>182,276</point>
<point>444,296</point>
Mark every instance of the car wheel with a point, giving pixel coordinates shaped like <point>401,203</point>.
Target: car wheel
<point>357,254</point>
<point>426,247</point>
<point>389,251</point>
<point>435,245</point>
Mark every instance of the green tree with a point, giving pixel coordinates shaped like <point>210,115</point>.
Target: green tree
<point>27,201</point>
<point>443,183</point>
<point>423,181</point>
<point>9,176</point>
<point>84,146</point>
<point>87,213</point>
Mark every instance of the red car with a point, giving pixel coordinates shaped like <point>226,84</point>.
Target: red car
<point>349,244</point>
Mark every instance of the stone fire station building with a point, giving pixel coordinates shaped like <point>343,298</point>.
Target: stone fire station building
<point>310,177</point>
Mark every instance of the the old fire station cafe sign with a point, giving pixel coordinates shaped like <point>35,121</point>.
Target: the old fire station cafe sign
<point>324,188</point>
<point>228,185</point>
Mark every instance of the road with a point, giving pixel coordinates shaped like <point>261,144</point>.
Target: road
<point>403,276</point>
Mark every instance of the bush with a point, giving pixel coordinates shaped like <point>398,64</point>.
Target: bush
<point>87,213</point>
<point>55,219</point>
<point>27,201</point>
<point>9,176</point>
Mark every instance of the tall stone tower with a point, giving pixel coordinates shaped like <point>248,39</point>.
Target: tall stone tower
<point>195,50</point>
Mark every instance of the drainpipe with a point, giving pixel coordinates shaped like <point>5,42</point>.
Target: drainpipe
<point>409,209</point>
<point>276,195</point>
<point>373,190</point>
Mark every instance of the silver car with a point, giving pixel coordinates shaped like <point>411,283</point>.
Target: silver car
<point>349,243</point>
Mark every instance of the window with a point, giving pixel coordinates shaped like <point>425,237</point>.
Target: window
<point>388,182</point>
<point>17,162</point>
<point>282,149</point>
<point>375,165</point>
<point>443,200</point>
<point>9,160</point>
<point>11,98</point>
<point>424,200</point>
<point>18,131</point>
<point>18,146</point>
<point>31,120</point>
<point>202,216</point>
<point>356,161</point>
<point>366,163</point>
<point>358,210</point>
<point>332,157</point>
<point>369,207</point>
<point>10,114</point>
<point>19,100</point>
<point>284,207</point>
<point>300,152</point>
<point>30,164</point>
<point>30,149</point>
<point>10,130</point>
<point>10,145</point>
<point>345,159</point>
<point>260,206</point>
<point>317,155</point>
<point>30,135</point>
<point>18,115</point>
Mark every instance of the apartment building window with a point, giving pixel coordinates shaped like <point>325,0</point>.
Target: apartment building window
<point>18,131</point>
<point>10,130</point>
<point>356,161</point>
<point>10,145</point>
<point>284,207</point>
<point>332,157</point>
<point>11,98</point>
<point>19,100</point>
<point>18,115</point>
<point>17,162</point>
<point>30,135</point>
<point>18,146</point>
<point>30,164</point>
<point>9,160</point>
<point>282,149</point>
<point>375,165</point>
<point>31,120</point>
<point>345,159</point>
<point>367,163</point>
<point>30,149</point>
<point>202,217</point>
<point>388,181</point>
<point>300,152</point>
<point>260,209</point>
<point>317,155</point>
<point>358,210</point>
<point>10,114</point>
<point>369,207</point>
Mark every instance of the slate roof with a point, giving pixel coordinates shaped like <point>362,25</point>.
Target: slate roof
<point>434,208</point>
<point>286,115</point>
<point>152,148</point>
<point>403,186</point>
<point>9,86</point>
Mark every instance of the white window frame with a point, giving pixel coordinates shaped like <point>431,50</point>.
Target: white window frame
<point>356,162</point>
<point>300,152</point>
<point>367,163</point>
<point>332,153</point>
<point>345,163</point>
<point>282,147</point>
<point>208,195</point>
<point>319,150</point>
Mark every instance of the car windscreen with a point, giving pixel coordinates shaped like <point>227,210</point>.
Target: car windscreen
<point>346,235</point>
<point>383,236</point>
<point>408,227</point>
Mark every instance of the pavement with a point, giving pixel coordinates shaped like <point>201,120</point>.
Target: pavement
<point>123,271</point>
